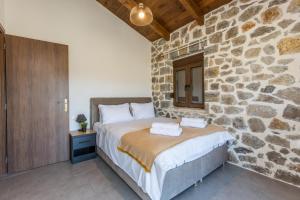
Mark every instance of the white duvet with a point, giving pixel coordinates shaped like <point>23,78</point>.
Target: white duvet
<point>108,137</point>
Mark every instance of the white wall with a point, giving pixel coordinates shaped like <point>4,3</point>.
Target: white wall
<point>106,57</point>
<point>2,22</point>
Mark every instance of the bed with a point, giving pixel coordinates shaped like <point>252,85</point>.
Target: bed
<point>168,177</point>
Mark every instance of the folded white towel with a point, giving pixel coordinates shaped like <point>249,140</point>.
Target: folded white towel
<point>193,120</point>
<point>166,131</point>
<point>165,125</point>
<point>194,124</point>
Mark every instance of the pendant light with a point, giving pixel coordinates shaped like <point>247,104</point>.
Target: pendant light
<point>141,15</point>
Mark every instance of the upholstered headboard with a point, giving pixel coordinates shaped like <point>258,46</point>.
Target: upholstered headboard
<point>94,102</point>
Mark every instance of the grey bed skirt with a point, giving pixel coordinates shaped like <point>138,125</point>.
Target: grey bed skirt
<point>180,178</point>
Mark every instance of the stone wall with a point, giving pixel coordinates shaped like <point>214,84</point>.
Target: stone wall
<point>252,80</point>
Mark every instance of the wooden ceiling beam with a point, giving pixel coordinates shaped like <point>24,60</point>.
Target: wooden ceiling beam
<point>129,4</point>
<point>192,7</point>
<point>155,25</point>
<point>209,5</point>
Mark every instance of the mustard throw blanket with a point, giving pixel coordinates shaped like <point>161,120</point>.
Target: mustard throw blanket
<point>144,147</point>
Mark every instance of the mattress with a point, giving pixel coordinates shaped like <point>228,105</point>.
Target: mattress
<point>108,138</point>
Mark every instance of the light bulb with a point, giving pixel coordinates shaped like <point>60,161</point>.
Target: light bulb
<point>141,14</point>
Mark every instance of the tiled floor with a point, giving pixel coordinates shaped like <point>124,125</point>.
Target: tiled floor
<point>94,180</point>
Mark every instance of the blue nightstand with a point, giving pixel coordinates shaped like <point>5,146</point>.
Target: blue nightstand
<point>83,145</point>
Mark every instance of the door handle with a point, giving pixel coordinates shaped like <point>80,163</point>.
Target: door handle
<point>66,105</point>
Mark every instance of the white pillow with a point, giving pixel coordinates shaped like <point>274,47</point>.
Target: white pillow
<point>142,110</point>
<point>115,113</point>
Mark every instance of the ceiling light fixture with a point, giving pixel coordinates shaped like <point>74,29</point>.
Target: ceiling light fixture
<point>141,15</point>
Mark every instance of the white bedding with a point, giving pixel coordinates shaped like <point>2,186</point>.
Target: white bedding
<point>108,137</point>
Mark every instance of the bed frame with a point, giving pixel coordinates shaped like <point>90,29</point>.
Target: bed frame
<point>178,179</point>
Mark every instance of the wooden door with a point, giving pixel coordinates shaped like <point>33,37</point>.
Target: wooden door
<point>37,88</point>
<point>2,106</point>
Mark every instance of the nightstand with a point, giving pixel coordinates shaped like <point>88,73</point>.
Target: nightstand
<point>83,145</point>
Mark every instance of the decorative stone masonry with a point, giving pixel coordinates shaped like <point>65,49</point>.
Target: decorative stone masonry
<point>252,80</point>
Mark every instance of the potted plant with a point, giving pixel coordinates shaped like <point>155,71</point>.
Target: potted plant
<point>81,119</point>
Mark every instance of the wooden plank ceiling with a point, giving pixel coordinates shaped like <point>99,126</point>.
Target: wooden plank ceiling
<point>169,15</point>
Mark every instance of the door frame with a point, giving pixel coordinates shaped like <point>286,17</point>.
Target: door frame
<point>4,170</point>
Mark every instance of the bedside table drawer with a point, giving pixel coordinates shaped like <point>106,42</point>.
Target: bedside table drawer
<point>82,145</point>
<point>84,141</point>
